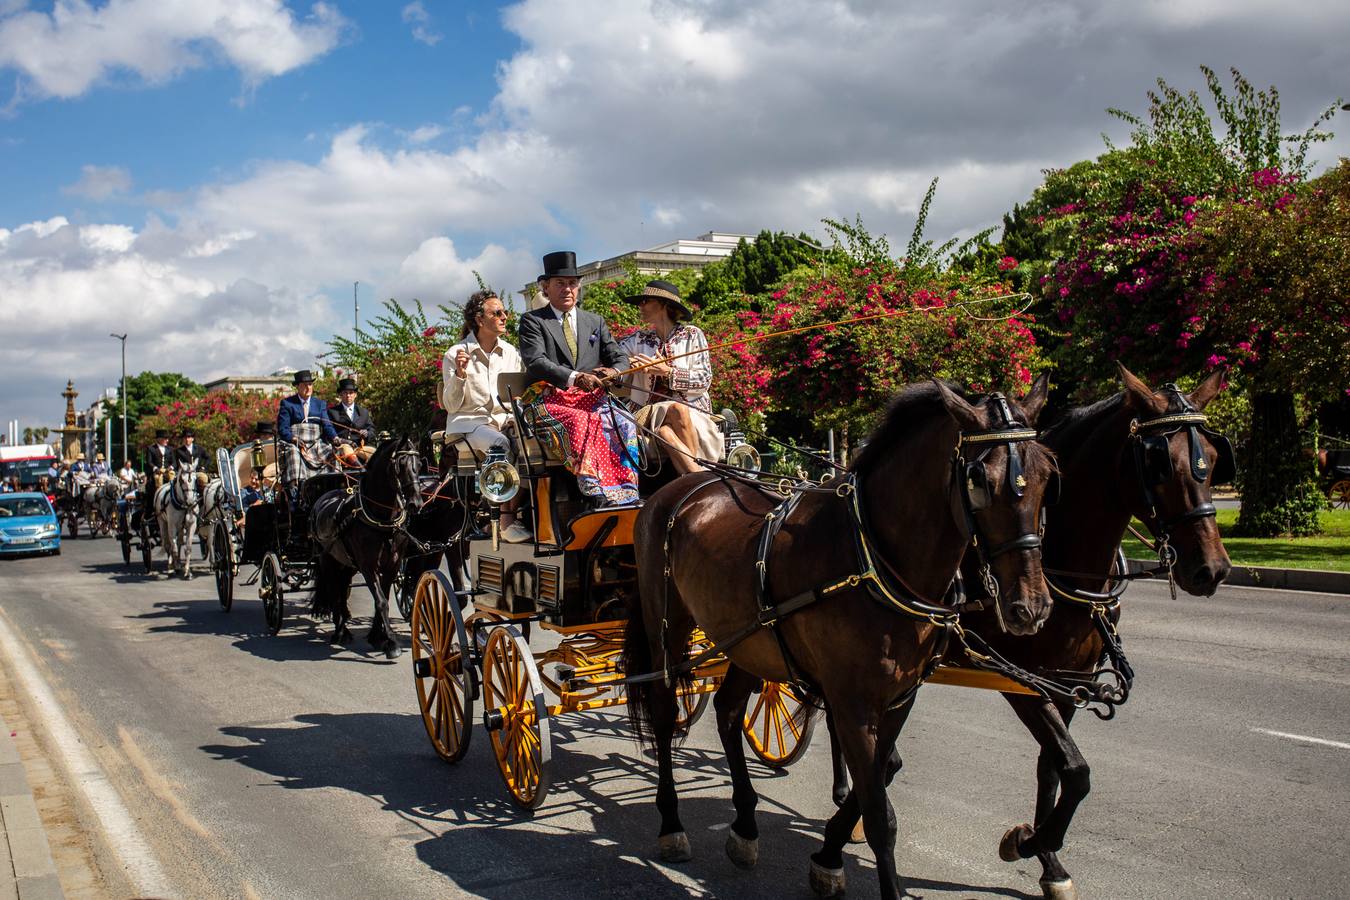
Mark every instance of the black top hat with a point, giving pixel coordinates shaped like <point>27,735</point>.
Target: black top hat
<point>161,434</point>
<point>303,376</point>
<point>664,290</point>
<point>346,384</point>
<point>560,264</point>
<point>187,433</point>
<point>265,428</point>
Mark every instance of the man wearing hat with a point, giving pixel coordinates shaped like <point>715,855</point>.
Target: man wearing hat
<point>159,456</point>
<point>572,350</point>
<point>355,429</point>
<point>190,454</point>
<point>100,467</point>
<point>79,466</point>
<point>302,419</point>
<point>561,343</point>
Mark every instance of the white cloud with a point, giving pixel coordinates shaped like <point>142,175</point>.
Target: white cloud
<point>424,134</point>
<point>435,270</point>
<point>77,45</point>
<point>416,15</point>
<point>100,182</point>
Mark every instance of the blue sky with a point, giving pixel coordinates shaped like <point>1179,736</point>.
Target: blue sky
<point>213,175</point>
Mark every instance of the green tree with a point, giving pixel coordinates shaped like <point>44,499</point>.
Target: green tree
<point>147,392</point>
<point>754,268</point>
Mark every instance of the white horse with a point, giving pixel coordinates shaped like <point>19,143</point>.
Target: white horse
<point>176,508</point>
<point>212,509</point>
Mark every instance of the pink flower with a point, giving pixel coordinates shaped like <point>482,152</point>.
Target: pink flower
<point>1007,263</point>
<point>1215,360</point>
<point>430,332</point>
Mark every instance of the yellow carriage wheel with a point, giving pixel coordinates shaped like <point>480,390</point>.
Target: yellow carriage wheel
<point>516,716</point>
<point>442,668</point>
<point>690,708</point>
<point>1339,494</point>
<point>778,724</point>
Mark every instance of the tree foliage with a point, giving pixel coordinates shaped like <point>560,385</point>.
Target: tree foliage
<point>754,268</point>
<point>218,419</point>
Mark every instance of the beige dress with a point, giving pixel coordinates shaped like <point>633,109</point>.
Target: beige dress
<point>687,384</point>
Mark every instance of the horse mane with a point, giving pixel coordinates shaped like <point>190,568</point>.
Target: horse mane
<point>1073,426</point>
<point>910,408</point>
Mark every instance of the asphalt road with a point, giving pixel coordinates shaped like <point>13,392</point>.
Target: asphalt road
<point>281,767</point>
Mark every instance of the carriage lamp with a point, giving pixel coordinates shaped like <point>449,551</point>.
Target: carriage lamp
<point>744,456</point>
<point>259,459</point>
<point>498,480</point>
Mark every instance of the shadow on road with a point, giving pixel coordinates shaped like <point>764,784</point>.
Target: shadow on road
<point>301,638</point>
<point>487,846</point>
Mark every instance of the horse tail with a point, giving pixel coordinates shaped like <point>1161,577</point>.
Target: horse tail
<point>637,660</point>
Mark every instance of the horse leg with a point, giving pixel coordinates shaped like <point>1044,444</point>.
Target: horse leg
<point>840,790</point>
<point>1063,780</point>
<point>843,825</point>
<point>729,703</point>
<point>672,840</point>
<point>379,637</point>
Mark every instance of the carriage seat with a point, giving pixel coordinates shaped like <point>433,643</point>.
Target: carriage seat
<point>243,462</point>
<point>510,385</point>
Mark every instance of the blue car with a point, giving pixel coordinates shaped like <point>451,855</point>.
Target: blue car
<point>28,525</point>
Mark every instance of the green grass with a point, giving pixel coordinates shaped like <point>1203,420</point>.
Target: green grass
<point>1329,551</point>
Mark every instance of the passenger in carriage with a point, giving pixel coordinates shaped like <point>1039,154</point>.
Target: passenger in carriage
<point>190,454</point>
<point>572,350</point>
<point>303,423</point>
<point>473,411</point>
<point>100,467</point>
<point>355,429</point>
<point>672,397</point>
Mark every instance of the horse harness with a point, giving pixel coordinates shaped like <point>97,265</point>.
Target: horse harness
<point>1152,457</point>
<point>882,582</point>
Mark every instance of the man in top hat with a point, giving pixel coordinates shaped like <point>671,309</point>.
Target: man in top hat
<point>302,420</point>
<point>561,343</point>
<point>570,348</point>
<point>159,456</point>
<point>190,454</point>
<point>355,429</point>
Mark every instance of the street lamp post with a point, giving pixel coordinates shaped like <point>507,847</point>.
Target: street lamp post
<point>126,450</point>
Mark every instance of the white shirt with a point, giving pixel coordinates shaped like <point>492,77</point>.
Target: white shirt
<point>472,400</point>
<point>350,410</point>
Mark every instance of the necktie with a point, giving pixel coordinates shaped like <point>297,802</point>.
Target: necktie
<point>570,335</point>
<point>306,409</point>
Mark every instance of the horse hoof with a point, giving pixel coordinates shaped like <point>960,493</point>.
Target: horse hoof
<point>859,834</point>
<point>1009,849</point>
<point>343,637</point>
<point>1059,890</point>
<point>675,847</point>
<point>393,652</point>
<point>827,882</point>
<point>744,852</point>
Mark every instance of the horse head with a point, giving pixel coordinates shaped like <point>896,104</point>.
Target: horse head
<point>185,482</point>
<point>406,465</point>
<point>1177,460</point>
<point>1001,480</point>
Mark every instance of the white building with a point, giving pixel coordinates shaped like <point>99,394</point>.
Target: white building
<point>655,261</point>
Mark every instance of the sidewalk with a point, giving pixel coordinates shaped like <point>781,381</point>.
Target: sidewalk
<point>26,868</point>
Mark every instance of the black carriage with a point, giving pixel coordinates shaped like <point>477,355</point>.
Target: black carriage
<point>1336,476</point>
<point>575,578</point>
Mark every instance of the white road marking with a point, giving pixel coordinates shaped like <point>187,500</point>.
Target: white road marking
<point>124,836</point>
<point>1340,745</point>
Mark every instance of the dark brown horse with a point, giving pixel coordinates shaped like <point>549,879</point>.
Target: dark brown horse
<point>836,587</point>
<point>364,531</point>
<point>1138,453</point>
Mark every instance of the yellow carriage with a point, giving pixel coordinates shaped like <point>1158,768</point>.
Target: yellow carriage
<point>575,579</point>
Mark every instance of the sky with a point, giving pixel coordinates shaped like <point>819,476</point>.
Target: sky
<point>211,177</point>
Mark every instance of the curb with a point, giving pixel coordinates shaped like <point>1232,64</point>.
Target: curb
<point>1315,580</point>
<point>26,867</point>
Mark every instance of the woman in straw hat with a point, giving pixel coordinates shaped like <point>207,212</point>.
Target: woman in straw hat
<point>672,396</point>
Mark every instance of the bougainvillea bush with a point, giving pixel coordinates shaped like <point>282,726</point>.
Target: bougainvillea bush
<point>218,419</point>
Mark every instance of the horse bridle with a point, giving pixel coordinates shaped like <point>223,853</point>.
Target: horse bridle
<point>971,482</point>
<point>400,505</point>
<point>1150,446</point>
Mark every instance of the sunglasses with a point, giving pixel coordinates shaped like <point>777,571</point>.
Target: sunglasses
<point>499,314</point>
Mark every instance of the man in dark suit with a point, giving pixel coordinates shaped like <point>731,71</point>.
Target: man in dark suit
<point>304,407</point>
<point>190,454</point>
<point>159,456</point>
<point>562,343</point>
<point>355,429</point>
